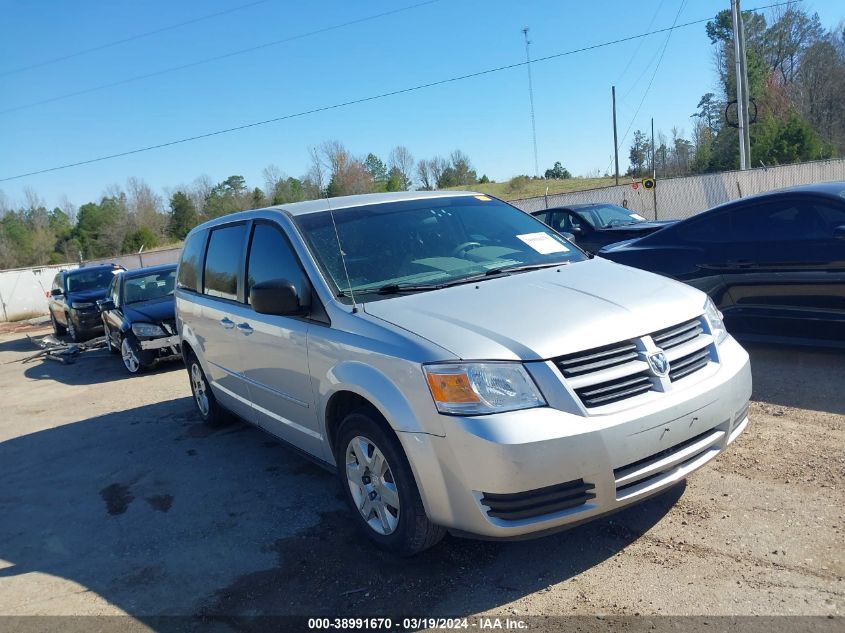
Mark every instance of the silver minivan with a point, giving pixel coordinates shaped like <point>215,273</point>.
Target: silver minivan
<point>461,366</point>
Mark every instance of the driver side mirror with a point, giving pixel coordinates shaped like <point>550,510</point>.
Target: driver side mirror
<point>56,292</point>
<point>104,305</point>
<point>277,296</point>
<point>577,230</point>
<point>839,232</point>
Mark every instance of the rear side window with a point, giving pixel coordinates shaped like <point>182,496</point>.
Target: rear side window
<point>190,264</point>
<point>225,252</point>
<point>271,257</point>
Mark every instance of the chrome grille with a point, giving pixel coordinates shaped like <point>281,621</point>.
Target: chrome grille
<point>678,334</point>
<point>686,365</point>
<point>611,373</point>
<point>597,359</point>
<point>615,390</point>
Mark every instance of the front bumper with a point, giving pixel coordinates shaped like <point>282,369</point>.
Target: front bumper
<point>490,475</point>
<point>87,320</point>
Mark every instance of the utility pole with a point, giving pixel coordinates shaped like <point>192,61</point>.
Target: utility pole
<point>615,142</point>
<point>653,164</point>
<point>531,99</point>
<point>653,170</point>
<point>741,75</point>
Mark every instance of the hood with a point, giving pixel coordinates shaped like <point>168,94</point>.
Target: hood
<point>545,313</point>
<point>646,227</point>
<point>87,295</point>
<point>152,311</point>
<point>616,246</point>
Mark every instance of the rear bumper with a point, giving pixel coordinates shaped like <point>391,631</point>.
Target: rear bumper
<point>534,471</point>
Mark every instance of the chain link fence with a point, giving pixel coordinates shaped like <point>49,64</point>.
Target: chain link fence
<point>675,198</point>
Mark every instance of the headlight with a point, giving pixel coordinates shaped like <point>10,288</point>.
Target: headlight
<point>147,329</point>
<point>714,319</point>
<point>479,388</point>
<point>81,305</point>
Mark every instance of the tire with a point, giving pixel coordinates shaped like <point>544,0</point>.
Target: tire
<point>130,356</point>
<point>209,409</point>
<point>71,329</point>
<point>109,345</point>
<point>404,530</point>
<point>58,330</point>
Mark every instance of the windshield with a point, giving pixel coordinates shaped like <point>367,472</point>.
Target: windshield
<point>152,286</point>
<point>609,215</point>
<point>429,242</point>
<point>98,279</point>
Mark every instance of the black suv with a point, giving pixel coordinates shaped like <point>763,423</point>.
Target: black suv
<point>73,300</point>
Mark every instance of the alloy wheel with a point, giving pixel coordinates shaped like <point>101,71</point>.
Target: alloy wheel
<point>199,388</point>
<point>372,485</point>
<point>130,358</point>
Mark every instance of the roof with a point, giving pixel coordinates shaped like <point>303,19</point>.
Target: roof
<point>137,272</point>
<point>88,267</point>
<point>366,199</point>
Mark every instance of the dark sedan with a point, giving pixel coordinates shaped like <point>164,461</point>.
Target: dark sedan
<point>139,317</point>
<point>597,224</point>
<point>774,264</point>
<point>72,301</point>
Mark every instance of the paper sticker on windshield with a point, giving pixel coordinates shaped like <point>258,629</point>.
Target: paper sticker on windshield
<point>483,198</point>
<point>637,216</point>
<point>543,243</point>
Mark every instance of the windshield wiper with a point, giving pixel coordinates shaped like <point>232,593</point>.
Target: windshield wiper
<point>391,289</point>
<point>521,267</point>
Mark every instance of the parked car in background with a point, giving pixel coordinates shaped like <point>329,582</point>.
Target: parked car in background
<point>139,319</point>
<point>594,225</point>
<point>73,297</point>
<point>395,338</point>
<point>774,264</point>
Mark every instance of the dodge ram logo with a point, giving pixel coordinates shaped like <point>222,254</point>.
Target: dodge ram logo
<point>658,363</point>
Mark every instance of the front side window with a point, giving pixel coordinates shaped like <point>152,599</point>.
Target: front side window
<point>429,242</point>
<point>149,287</point>
<point>606,216</point>
<point>271,257</point>
<point>222,262</point>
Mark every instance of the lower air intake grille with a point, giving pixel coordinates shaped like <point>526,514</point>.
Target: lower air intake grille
<point>534,503</point>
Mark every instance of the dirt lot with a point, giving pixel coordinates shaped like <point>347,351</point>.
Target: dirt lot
<point>115,499</point>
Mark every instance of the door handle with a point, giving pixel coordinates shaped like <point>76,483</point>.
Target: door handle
<point>227,323</point>
<point>245,328</point>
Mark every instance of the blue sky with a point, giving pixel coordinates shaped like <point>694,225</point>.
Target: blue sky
<point>487,117</point>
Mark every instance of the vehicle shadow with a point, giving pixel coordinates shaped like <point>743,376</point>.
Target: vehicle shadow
<point>800,377</point>
<point>93,367</point>
<point>160,515</point>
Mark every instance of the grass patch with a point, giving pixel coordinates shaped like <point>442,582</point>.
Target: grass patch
<point>520,187</point>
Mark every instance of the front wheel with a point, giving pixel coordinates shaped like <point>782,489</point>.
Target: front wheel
<point>379,486</point>
<point>130,357</point>
<point>72,331</point>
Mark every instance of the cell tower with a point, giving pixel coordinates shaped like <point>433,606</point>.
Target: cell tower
<point>531,100</point>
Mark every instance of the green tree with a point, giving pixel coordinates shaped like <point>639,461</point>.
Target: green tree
<point>140,237</point>
<point>558,172</point>
<point>183,216</point>
<point>378,171</point>
<point>638,154</point>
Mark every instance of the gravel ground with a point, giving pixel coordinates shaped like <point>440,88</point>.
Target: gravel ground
<point>115,500</point>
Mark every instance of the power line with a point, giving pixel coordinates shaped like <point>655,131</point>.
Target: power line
<point>207,60</point>
<point>131,38</point>
<point>382,95</point>
<point>656,68</point>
